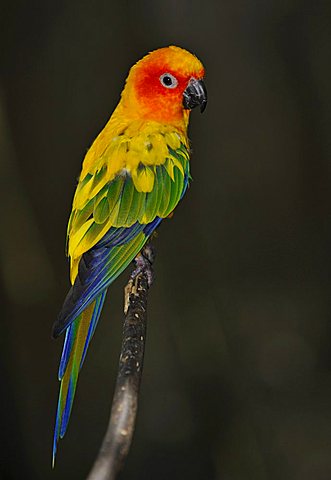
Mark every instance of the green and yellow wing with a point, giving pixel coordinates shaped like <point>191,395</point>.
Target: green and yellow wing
<point>118,191</point>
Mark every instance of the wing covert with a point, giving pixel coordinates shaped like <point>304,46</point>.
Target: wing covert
<point>138,192</point>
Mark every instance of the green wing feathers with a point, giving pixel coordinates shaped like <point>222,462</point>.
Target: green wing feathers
<point>100,204</point>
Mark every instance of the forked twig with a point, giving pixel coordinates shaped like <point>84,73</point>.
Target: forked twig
<point>117,441</point>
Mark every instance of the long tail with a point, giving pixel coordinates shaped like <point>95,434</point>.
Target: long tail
<point>99,267</point>
<point>76,342</point>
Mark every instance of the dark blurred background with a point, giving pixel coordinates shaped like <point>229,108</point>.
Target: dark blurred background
<point>237,378</point>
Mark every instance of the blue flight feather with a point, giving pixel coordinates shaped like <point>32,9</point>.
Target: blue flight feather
<point>97,270</point>
<point>94,321</point>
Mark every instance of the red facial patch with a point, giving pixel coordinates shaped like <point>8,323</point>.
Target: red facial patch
<point>156,100</point>
<point>149,86</point>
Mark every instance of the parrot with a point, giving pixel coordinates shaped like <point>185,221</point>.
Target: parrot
<point>133,176</point>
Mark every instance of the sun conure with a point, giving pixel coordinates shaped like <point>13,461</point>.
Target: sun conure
<point>133,176</point>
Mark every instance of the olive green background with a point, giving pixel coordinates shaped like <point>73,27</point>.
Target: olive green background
<point>237,377</point>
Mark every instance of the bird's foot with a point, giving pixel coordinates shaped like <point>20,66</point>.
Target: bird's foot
<point>143,261</point>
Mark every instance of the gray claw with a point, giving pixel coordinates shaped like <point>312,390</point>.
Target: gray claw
<point>143,263</point>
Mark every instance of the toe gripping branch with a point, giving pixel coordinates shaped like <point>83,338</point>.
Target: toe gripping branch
<point>144,268</point>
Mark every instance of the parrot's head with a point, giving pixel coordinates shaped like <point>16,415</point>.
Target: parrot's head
<point>166,85</point>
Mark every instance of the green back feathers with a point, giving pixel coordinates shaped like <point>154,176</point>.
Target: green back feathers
<point>153,190</point>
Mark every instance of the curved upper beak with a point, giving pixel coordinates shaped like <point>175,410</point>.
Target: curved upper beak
<point>195,95</point>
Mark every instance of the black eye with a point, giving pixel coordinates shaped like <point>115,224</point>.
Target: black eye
<point>168,80</point>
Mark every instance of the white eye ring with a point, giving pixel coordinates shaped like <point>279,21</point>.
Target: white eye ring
<point>168,80</point>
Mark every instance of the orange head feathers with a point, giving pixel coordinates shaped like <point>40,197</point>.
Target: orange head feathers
<point>164,86</point>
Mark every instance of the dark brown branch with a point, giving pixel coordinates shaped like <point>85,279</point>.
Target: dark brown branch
<point>117,441</point>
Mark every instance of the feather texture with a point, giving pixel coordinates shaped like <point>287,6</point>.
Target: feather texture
<point>72,356</point>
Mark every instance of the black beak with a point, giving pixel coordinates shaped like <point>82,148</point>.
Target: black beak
<point>195,95</point>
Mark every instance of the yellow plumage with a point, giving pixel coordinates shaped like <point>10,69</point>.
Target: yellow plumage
<point>141,145</point>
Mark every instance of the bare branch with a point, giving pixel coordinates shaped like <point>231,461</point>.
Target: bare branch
<point>117,441</point>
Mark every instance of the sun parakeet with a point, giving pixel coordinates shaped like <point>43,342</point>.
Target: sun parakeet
<point>133,176</point>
